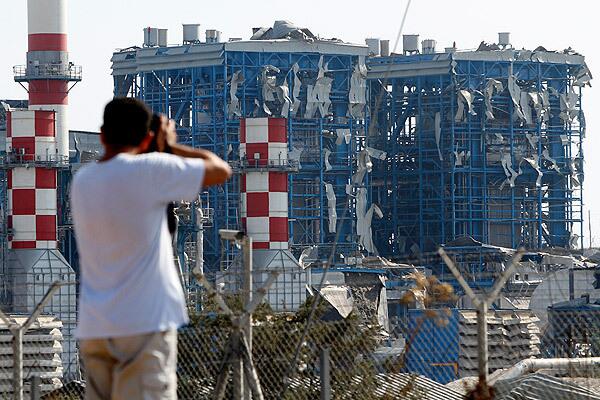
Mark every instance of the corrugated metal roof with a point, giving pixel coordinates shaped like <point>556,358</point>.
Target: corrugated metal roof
<point>410,386</point>
<point>399,66</point>
<point>397,386</point>
<point>202,55</point>
<point>540,386</point>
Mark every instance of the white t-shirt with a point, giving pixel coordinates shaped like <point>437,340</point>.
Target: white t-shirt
<point>129,282</point>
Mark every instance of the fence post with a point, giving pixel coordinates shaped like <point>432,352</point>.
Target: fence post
<point>35,389</point>
<point>482,344</point>
<point>247,259</point>
<point>325,375</point>
<point>238,367</point>
<point>17,348</point>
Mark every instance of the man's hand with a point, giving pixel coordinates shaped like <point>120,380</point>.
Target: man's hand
<point>166,136</point>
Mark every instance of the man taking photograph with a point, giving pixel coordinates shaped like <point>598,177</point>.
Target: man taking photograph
<point>131,300</point>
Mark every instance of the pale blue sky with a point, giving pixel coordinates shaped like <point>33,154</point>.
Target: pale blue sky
<point>97,28</point>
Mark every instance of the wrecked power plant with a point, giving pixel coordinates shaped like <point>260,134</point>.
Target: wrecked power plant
<point>382,182</point>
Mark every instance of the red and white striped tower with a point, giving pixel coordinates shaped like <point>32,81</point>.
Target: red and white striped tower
<point>31,141</point>
<point>48,70</point>
<point>38,138</point>
<point>264,182</point>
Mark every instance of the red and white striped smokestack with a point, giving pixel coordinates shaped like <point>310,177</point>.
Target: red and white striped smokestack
<point>47,57</point>
<point>37,142</point>
<point>264,184</point>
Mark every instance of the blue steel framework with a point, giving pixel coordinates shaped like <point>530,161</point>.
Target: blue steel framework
<point>430,197</point>
<point>197,99</point>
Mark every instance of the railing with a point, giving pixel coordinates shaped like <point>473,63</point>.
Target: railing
<point>48,71</point>
<point>265,165</point>
<point>12,160</point>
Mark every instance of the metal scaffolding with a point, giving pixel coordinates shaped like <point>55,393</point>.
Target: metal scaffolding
<point>486,144</point>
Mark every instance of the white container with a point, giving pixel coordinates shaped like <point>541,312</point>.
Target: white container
<point>410,43</point>
<point>150,37</point>
<point>428,46</point>
<point>191,33</point>
<point>213,36</point>
<point>162,37</point>
<point>384,46</point>
<point>374,46</point>
<point>504,39</point>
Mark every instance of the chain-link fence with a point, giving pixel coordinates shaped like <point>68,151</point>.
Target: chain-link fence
<point>391,332</point>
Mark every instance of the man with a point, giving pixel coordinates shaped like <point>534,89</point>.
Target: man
<point>131,302</point>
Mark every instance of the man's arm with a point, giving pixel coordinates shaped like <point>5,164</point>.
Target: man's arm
<point>217,171</point>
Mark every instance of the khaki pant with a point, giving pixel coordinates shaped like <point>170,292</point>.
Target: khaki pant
<point>131,367</point>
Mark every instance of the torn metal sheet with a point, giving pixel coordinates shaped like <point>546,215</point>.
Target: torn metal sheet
<point>323,90</point>
<point>382,308</point>
<point>507,166</point>
<point>284,30</point>
<point>328,166</point>
<point>552,161</point>
<point>331,207</point>
<point>573,241</point>
<point>234,102</point>
<point>576,176</point>
<point>343,135</point>
<point>269,82</point>
<point>515,94</point>
<point>266,109</point>
<point>545,99</point>
<point>364,165</point>
<point>317,95</point>
<point>311,102</point>
<point>568,106</point>
<point>361,211</point>
<point>492,87</point>
<point>464,98</point>
<point>437,123</point>
<point>536,101</point>
<point>378,154</point>
<point>283,95</point>
<point>534,162</point>
<point>308,256</point>
<point>257,108</point>
<point>296,90</point>
<point>364,219</point>
<point>583,76</point>
<point>358,90</point>
<point>340,298</point>
<point>525,108</point>
<point>533,140</point>
<point>461,158</point>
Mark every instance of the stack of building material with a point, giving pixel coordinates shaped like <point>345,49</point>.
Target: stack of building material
<point>512,336</point>
<point>42,348</point>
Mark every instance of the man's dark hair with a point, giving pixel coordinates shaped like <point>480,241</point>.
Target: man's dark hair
<point>126,122</point>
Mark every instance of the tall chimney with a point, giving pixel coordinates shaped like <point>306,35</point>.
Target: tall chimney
<point>38,138</point>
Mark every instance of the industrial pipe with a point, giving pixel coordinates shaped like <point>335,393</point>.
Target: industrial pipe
<point>534,364</point>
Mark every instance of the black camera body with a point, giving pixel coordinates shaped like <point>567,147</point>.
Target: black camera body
<point>155,126</point>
